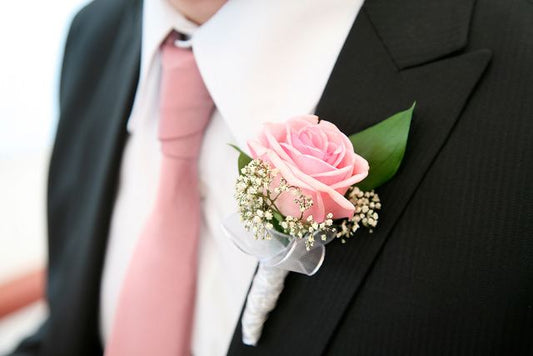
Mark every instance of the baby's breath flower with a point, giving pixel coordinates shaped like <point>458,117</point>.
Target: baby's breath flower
<point>256,198</point>
<point>253,199</point>
<point>366,204</point>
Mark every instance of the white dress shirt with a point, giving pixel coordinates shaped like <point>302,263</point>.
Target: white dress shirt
<point>261,60</point>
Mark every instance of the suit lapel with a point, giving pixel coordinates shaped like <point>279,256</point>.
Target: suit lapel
<point>374,78</point>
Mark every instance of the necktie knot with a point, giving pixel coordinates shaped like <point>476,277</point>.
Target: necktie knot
<point>185,103</point>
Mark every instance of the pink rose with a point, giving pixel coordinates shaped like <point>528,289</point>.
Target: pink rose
<point>316,157</point>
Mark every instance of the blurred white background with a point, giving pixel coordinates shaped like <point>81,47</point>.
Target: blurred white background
<point>32,35</point>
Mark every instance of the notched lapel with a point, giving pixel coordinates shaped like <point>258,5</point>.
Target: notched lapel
<point>365,88</point>
<point>420,31</point>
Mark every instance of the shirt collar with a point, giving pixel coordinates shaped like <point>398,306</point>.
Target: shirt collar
<point>261,60</point>
<point>159,18</point>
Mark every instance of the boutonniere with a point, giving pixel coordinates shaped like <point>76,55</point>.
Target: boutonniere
<point>305,185</point>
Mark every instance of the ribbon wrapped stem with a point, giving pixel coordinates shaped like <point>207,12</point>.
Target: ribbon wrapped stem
<point>262,298</point>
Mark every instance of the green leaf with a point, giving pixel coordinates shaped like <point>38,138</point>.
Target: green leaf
<point>383,146</point>
<point>278,219</point>
<point>243,160</point>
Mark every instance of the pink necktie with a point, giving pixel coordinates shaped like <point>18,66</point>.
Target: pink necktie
<point>155,311</point>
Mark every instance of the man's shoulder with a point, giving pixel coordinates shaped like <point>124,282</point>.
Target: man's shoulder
<point>104,12</point>
<point>98,31</point>
<point>100,19</point>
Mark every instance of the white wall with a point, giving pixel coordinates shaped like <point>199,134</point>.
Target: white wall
<point>32,34</point>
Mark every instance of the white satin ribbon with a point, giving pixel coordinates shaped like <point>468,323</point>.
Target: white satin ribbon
<point>280,250</point>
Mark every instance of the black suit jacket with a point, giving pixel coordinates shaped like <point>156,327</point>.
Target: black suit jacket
<point>449,271</point>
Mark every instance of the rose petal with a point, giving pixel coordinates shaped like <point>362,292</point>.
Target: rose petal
<point>286,205</point>
<point>313,136</point>
<point>297,123</point>
<point>307,164</point>
<point>257,149</point>
<point>350,181</point>
<point>318,210</point>
<point>334,176</point>
<point>338,211</point>
<point>320,187</point>
<point>334,154</point>
<point>275,145</point>
<point>287,170</point>
<point>350,156</point>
